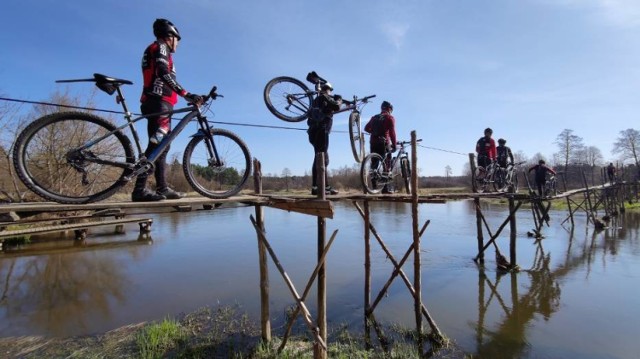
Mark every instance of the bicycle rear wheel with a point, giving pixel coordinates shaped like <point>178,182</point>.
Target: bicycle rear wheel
<point>356,136</point>
<point>481,180</point>
<point>406,174</point>
<point>288,99</point>
<point>48,164</point>
<point>372,173</point>
<point>222,178</point>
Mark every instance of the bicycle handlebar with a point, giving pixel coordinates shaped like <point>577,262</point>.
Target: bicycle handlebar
<point>356,100</point>
<point>402,143</point>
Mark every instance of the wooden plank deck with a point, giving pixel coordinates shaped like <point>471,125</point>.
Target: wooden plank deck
<point>71,226</point>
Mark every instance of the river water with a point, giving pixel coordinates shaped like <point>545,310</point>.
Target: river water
<point>576,295</point>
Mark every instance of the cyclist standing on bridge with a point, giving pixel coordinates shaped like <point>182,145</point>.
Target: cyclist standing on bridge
<point>486,149</point>
<point>611,172</point>
<point>382,128</point>
<point>320,122</point>
<point>540,173</point>
<point>503,153</point>
<point>160,94</point>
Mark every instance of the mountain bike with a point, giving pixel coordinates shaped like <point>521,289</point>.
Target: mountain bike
<point>506,178</point>
<point>377,172</point>
<point>550,187</point>
<point>484,177</point>
<point>289,99</point>
<point>77,157</point>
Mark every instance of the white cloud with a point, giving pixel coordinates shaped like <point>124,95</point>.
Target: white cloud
<point>395,33</point>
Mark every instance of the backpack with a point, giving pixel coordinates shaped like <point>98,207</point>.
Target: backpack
<point>377,127</point>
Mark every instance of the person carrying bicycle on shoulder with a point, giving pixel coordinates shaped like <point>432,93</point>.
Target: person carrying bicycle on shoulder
<point>159,94</point>
<point>486,149</point>
<point>320,122</point>
<point>504,153</point>
<point>540,174</point>
<point>382,128</point>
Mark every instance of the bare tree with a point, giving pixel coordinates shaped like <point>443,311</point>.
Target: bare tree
<point>286,173</point>
<point>628,145</point>
<point>592,156</point>
<point>447,172</point>
<point>13,120</point>
<point>520,156</point>
<point>570,147</point>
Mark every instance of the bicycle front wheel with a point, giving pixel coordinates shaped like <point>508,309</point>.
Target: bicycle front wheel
<point>217,168</point>
<point>288,99</point>
<point>481,179</point>
<point>406,174</point>
<point>49,162</point>
<point>372,173</point>
<point>356,136</point>
<point>500,180</point>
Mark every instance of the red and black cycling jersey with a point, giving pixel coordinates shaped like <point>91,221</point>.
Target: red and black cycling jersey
<point>159,74</point>
<point>486,147</point>
<point>382,128</point>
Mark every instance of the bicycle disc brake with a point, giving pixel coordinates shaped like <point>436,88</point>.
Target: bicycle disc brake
<point>215,163</point>
<point>78,160</point>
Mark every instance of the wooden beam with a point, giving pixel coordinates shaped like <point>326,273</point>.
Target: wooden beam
<point>314,207</point>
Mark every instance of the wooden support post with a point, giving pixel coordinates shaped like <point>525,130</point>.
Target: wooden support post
<point>472,164</point>
<point>417,276</point>
<point>564,184</point>
<point>480,256</point>
<point>512,234</point>
<point>265,321</point>
<point>319,341</point>
<point>591,215</point>
<point>367,275</point>
<point>320,352</point>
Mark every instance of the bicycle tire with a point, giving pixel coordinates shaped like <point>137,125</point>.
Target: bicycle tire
<point>42,151</point>
<point>356,136</point>
<point>371,173</point>
<point>217,181</point>
<point>288,99</point>
<point>514,183</point>
<point>481,181</point>
<point>500,180</point>
<point>406,174</point>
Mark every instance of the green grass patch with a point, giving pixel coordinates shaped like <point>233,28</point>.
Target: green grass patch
<point>156,339</point>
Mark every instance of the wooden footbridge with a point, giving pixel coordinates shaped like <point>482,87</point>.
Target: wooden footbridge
<point>598,202</point>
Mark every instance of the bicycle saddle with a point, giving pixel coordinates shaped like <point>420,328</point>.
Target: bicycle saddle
<point>104,83</point>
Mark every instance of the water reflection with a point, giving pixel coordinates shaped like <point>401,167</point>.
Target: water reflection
<point>61,292</point>
<point>521,299</point>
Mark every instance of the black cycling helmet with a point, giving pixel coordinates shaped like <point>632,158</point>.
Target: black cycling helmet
<point>541,162</point>
<point>502,141</point>
<point>164,28</point>
<point>386,104</point>
<point>488,130</point>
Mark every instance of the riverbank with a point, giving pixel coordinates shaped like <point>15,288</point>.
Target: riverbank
<point>207,333</point>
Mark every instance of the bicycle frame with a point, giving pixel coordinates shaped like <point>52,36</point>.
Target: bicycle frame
<point>193,111</point>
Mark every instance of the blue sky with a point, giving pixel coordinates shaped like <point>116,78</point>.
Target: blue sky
<point>526,68</point>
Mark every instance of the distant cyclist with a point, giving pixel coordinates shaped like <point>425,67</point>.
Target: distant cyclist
<point>540,173</point>
<point>504,154</point>
<point>382,128</point>
<point>159,94</point>
<point>320,122</point>
<point>611,172</point>
<point>486,148</point>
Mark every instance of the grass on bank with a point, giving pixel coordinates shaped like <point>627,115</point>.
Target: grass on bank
<point>217,333</point>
